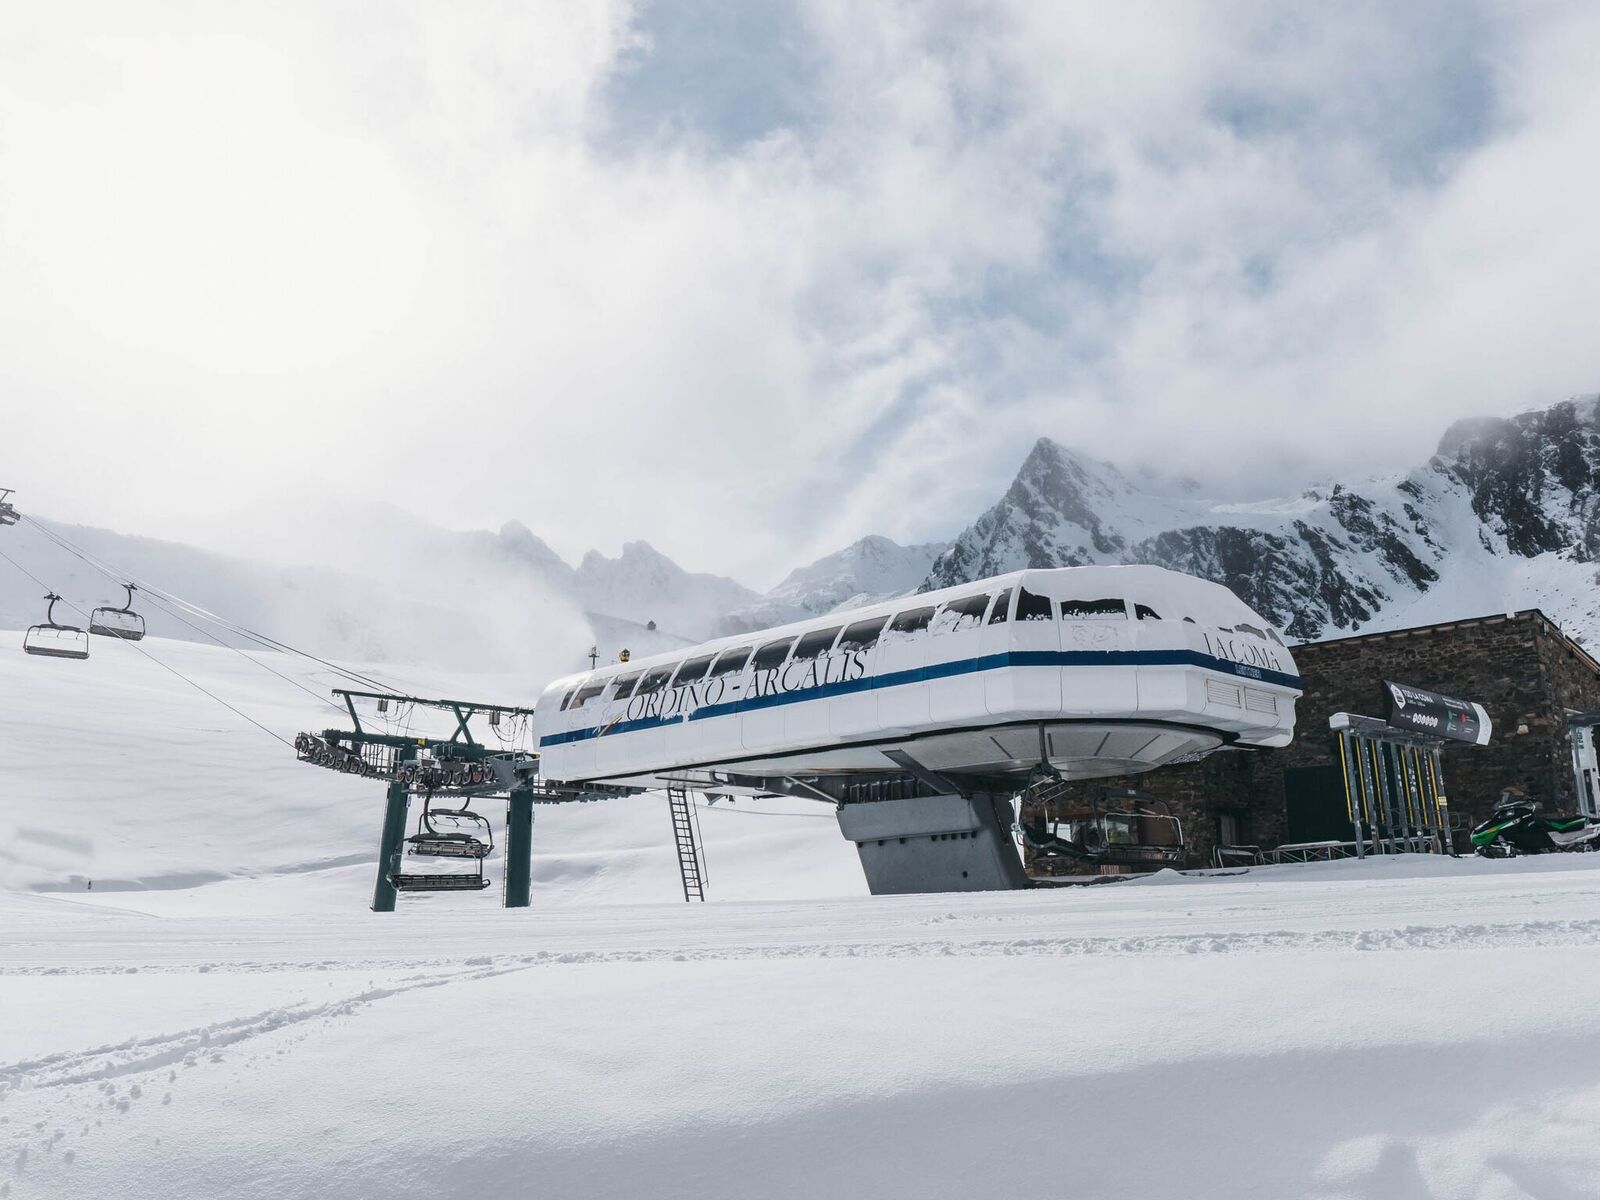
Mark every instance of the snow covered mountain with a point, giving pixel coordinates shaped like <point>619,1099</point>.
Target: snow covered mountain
<point>873,568</point>
<point>643,585</point>
<point>1505,515</point>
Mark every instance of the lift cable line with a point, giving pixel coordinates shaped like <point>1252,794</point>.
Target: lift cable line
<point>312,692</point>
<point>117,628</point>
<point>197,610</point>
<point>164,666</point>
<point>201,612</point>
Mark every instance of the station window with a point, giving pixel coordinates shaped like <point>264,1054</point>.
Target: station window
<point>693,670</point>
<point>1002,606</point>
<point>1094,610</point>
<point>913,620</point>
<point>863,635</point>
<point>588,692</point>
<point>731,662</point>
<point>625,685</point>
<point>772,654</point>
<point>654,681</point>
<point>966,612</point>
<point>815,644</point>
<point>1034,608</point>
<point>567,699</point>
<point>1273,634</point>
<point>1252,629</point>
<point>1144,612</point>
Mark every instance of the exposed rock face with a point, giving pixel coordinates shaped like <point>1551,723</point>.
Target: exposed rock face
<point>1507,511</point>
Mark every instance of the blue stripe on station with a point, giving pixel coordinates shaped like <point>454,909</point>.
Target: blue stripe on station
<point>965,666</point>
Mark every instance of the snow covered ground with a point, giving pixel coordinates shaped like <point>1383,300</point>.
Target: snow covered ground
<point>221,1016</point>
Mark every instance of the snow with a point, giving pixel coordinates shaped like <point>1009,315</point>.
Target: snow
<point>1396,1028</point>
<point>641,584</point>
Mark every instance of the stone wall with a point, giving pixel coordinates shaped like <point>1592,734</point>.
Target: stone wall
<point>1520,668</point>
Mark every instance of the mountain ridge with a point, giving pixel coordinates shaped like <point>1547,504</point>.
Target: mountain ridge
<point>1505,507</point>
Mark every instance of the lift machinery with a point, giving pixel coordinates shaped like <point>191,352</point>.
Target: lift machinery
<point>450,774</point>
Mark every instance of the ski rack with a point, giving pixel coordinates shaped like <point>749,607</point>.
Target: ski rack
<point>459,766</point>
<point>1393,787</point>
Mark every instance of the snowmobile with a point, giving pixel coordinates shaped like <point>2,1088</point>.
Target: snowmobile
<point>1515,827</point>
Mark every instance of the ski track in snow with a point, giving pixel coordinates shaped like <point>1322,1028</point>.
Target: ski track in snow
<point>1407,937</point>
<point>231,1021</point>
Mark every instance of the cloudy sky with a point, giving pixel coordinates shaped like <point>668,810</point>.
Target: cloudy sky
<point>749,281</point>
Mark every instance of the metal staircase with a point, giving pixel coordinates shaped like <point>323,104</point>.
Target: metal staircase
<point>691,860</point>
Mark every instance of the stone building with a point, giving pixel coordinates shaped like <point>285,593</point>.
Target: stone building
<point>1520,667</point>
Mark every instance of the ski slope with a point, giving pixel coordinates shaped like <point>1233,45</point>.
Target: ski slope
<point>221,1016</point>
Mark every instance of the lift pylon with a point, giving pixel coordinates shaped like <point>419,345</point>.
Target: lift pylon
<point>458,767</point>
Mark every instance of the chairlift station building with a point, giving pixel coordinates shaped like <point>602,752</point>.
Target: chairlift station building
<point>1525,672</point>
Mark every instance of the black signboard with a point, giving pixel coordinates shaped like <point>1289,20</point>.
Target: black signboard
<point>1423,712</point>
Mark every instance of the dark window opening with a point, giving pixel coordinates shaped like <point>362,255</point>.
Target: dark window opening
<point>1094,610</point>
<point>654,681</point>
<point>1143,612</point>
<point>732,661</point>
<point>1260,633</point>
<point>567,699</point>
<point>1273,634</point>
<point>1002,605</point>
<point>863,635</point>
<point>913,620</point>
<point>625,686</point>
<point>588,692</point>
<point>693,670</point>
<point>773,654</point>
<point>962,613</point>
<point>814,644</point>
<point>1034,608</point>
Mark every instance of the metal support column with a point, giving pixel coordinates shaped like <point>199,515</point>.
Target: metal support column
<point>391,847</point>
<point>519,847</point>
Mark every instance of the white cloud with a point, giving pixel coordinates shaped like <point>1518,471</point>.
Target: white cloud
<point>407,253</point>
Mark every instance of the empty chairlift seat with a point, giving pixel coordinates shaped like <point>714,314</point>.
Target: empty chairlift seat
<point>51,639</point>
<point>111,621</point>
<point>447,833</point>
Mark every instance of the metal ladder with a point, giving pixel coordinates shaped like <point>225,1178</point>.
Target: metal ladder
<point>691,861</point>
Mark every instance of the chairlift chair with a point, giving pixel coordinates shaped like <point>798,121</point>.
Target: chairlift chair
<point>51,639</point>
<point>8,511</point>
<point>124,623</point>
<point>431,841</point>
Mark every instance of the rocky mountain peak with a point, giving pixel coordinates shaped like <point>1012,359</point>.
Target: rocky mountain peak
<point>1428,546</point>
